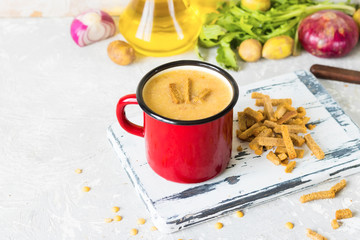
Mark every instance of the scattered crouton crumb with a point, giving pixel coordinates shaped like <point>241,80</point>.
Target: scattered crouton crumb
<point>273,158</point>
<point>289,225</point>
<point>218,225</point>
<point>133,231</point>
<point>337,187</point>
<point>314,235</point>
<point>311,126</point>
<point>314,147</point>
<point>115,209</point>
<point>141,221</point>
<point>343,213</point>
<point>335,224</point>
<point>86,189</point>
<point>317,195</point>
<point>285,162</point>
<point>290,166</point>
<point>282,156</point>
<point>239,214</point>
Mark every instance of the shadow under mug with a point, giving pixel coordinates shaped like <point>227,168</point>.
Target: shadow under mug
<point>183,151</point>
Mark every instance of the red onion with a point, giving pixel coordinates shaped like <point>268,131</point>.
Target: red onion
<point>92,26</point>
<point>328,33</point>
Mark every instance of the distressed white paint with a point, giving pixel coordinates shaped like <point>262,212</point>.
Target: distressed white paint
<point>249,179</point>
<point>58,8</point>
<point>56,102</point>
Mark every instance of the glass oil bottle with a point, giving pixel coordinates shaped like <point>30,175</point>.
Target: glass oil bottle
<point>160,27</point>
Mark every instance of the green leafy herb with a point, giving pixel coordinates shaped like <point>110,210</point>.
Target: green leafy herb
<point>233,24</point>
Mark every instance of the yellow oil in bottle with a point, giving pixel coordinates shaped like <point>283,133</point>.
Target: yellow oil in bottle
<point>160,27</point>
<point>205,6</point>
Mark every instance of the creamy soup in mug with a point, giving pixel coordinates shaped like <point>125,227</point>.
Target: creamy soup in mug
<point>187,94</point>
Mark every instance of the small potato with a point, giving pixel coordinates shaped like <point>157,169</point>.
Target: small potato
<point>250,50</point>
<point>356,17</point>
<point>258,5</point>
<point>121,52</point>
<point>278,47</point>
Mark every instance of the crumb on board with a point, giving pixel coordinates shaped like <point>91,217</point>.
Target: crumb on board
<point>288,142</point>
<point>117,218</point>
<point>285,162</point>
<point>311,126</point>
<point>314,147</point>
<point>282,156</point>
<point>290,166</point>
<point>277,126</point>
<point>78,170</point>
<point>273,158</point>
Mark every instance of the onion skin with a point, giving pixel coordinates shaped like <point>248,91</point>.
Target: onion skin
<point>328,34</point>
<point>92,26</point>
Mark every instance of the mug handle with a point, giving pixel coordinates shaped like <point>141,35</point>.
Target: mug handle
<point>121,116</point>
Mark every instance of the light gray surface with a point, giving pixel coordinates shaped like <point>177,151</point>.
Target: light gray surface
<point>56,102</point>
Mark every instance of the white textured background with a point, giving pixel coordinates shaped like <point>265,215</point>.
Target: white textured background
<point>61,8</point>
<point>57,8</point>
<point>56,101</point>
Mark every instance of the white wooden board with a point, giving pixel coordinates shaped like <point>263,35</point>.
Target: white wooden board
<point>249,179</point>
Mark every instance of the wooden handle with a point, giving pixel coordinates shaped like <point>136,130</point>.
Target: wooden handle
<point>334,73</point>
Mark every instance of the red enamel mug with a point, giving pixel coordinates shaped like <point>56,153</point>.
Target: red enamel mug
<point>183,151</point>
